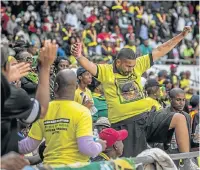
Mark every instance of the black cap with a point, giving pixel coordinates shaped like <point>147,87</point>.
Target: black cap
<point>80,71</point>
<point>194,101</point>
<point>151,83</point>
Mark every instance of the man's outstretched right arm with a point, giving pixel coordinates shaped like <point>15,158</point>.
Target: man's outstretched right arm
<point>84,62</point>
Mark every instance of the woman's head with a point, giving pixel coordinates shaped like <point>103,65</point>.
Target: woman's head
<point>62,63</point>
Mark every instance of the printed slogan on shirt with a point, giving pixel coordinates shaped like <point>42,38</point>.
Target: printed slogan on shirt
<point>57,125</point>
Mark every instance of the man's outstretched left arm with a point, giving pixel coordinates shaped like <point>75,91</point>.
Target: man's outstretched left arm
<point>166,47</point>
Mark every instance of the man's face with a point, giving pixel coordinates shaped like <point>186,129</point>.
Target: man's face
<point>13,17</point>
<point>174,70</point>
<point>178,102</point>
<point>125,66</point>
<point>146,42</point>
<point>86,78</point>
<point>52,69</point>
<point>119,148</point>
<point>63,64</point>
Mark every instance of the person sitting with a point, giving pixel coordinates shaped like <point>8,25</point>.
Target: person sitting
<point>102,123</point>
<point>114,144</point>
<point>66,128</point>
<point>99,100</point>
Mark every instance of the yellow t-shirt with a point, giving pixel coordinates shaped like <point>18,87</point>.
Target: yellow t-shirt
<point>184,83</point>
<point>64,122</point>
<point>124,94</point>
<point>152,102</point>
<point>79,95</point>
<point>131,47</point>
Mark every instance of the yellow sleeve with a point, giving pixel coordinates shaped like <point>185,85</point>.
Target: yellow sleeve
<point>84,126</point>
<point>102,72</point>
<point>36,131</point>
<point>158,106</point>
<point>143,63</point>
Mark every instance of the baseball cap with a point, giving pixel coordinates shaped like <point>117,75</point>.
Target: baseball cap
<point>172,66</point>
<point>80,71</point>
<point>194,101</point>
<point>102,121</point>
<point>151,83</point>
<point>111,136</point>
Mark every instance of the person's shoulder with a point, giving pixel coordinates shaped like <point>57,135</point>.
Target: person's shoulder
<point>79,108</point>
<point>18,92</point>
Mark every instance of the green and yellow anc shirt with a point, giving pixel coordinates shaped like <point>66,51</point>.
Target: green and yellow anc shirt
<point>124,94</point>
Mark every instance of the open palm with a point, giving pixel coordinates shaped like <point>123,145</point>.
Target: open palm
<point>17,71</point>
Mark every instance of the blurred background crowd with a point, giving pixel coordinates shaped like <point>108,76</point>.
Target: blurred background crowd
<point>104,27</point>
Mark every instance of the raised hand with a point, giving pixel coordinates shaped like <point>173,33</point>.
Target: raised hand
<point>13,161</point>
<point>48,53</point>
<point>186,30</point>
<point>76,50</point>
<point>17,71</point>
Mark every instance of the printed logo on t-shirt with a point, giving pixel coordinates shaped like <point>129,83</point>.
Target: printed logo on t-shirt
<point>128,90</point>
<point>56,125</point>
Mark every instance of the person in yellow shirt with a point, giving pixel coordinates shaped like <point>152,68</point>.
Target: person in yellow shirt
<point>152,88</point>
<point>162,76</point>
<point>127,104</point>
<point>83,95</point>
<point>66,128</point>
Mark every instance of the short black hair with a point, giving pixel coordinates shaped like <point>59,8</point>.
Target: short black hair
<point>126,53</point>
<point>173,92</point>
<point>58,59</point>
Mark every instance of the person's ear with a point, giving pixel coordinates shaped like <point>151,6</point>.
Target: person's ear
<point>118,62</point>
<point>79,77</point>
<point>115,147</point>
<point>56,87</point>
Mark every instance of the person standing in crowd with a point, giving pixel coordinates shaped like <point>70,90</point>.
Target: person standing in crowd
<point>67,127</point>
<point>99,99</point>
<point>194,114</point>
<point>162,76</point>
<point>19,106</point>
<point>177,100</point>
<point>83,95</point>
<point>122,87</point>
<point>194,102</point>
<point>145,48</point>
<point>173,77</point>
<point>114,143</point>
<point>152,89</point>
<point>11,25</point>
<point>28,83</point>
<point>62,63</point>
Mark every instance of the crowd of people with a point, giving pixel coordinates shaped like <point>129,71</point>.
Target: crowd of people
<point>75,86</point>
<point>104,27</point>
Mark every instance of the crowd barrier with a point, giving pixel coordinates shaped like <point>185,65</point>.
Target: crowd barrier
<point>136,163</point>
